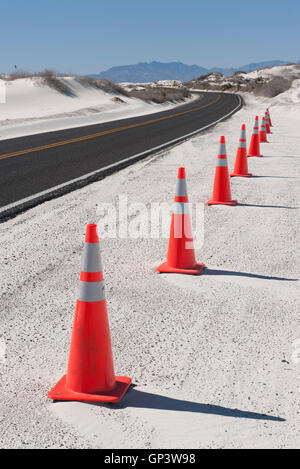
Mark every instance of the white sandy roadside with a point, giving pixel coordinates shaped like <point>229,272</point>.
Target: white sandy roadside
<point>31,107</point>
<point>210,355</point>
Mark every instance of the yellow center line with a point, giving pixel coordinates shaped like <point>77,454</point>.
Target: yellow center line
<point>105,132</point>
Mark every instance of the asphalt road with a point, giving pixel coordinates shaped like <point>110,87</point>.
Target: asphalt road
<point>39,167</point>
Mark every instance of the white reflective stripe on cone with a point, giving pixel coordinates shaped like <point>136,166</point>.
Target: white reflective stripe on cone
<point>242,145</point>
<point>243,134</point>
<point>255,131</point>
<point>181,208</point>
<point>222,149</point>
<point>91,259</point>
<point>91,291</point>
<point>181,190</point>
<point>222,162</point>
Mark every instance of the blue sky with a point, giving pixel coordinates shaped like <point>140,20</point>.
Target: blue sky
<point>89,36</point>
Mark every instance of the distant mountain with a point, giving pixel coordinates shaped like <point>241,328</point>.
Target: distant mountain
<point>154,71</point>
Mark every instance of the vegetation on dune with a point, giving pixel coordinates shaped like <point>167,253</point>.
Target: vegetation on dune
<point>266,86</point>
<point>102,84</point>
<point>160,95</point>
<point>155,94</point>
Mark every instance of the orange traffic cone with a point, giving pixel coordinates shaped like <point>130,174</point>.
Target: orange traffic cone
<point>262,132</point>
<point>90,375</point>
<point>267,122</point>
<point>271,125</point>
<point>254,149</point>
<point>221,191</point>
<point>181,255</point>
<point>241,163</point>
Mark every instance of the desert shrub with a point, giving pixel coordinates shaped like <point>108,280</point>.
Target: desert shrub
<point>160,95</point>
<point>207,75</point>
<point>88,81</point>
<point>273,87</point>
<point>226,86</point>
<point>103,84</point>
<point>19,74</point>
<point>112,87</point>
<point>50,78</point>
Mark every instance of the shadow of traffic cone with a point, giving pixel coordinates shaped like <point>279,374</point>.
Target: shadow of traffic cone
<point>271,125</point>
<point>221,190</point>
<point>181,254</point>
<point>267,123</point>
<point>241,161</point>
<point>90,376</point>
<point>254,149</point>
<point>262,132</point>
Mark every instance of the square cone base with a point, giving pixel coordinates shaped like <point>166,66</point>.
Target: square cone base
<point>248,175</point>
<point>60,392</point>
<point>229,202</point>
<point>166,269</point>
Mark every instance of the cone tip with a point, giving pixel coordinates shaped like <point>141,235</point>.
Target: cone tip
<point>243,126</point>
<point>222,139</point>
<point>91,233</point>
<point>181,173</point>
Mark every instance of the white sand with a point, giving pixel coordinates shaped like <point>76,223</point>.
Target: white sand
<point>31,107</point>
<point>211,355</point>
<point>284,71</point>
